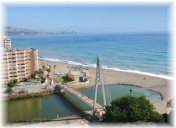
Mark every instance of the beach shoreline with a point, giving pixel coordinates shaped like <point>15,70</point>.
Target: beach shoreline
<point>121,77</point>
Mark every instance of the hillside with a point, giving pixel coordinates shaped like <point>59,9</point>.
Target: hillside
<point>11,31</point>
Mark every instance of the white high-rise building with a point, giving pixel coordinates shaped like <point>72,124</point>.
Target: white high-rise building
<point>6,42</point>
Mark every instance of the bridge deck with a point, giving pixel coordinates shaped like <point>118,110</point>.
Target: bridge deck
<point>80,96</point>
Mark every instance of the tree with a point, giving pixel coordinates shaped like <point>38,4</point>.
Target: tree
<point>131,109</point>
<point>43,67</point>
<point>15,81</point>
<point>10,84</point>
<point>37,72</point>
<point>40,71</point>
<point>49,70</point>
<point>42,80</point>
<point>9,90</point>
<point>33,76</point>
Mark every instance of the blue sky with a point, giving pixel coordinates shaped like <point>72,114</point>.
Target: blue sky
<point>110,18</point>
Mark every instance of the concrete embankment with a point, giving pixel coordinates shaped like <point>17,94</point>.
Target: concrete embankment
<point>28,95</point>
<point>70,121</point>
<point>29,91</point>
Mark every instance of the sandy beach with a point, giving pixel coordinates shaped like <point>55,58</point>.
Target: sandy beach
<point>122,77</point>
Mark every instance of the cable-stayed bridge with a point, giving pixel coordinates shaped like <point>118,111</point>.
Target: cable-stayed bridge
<point>98,110</point>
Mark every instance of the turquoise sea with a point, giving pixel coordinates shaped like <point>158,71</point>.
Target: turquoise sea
<point>146,53</point>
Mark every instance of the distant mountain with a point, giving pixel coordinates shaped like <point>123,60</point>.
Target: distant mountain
<point>11,31</point>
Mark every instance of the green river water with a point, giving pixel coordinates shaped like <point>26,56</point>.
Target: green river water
<point>66,104</point>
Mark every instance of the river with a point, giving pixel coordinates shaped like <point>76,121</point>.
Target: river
<point>53,106</point>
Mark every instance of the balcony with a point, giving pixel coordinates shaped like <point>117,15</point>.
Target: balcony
<point>11,59</point>
<point>12,73</point>
<point>11,56</point>
<point>21,66</point>
<point>19,69</point>
<point>11,66</point>
<point>12,76</point>
<point>20,57</point>
<point>21,73</point>
<point>5,74</point>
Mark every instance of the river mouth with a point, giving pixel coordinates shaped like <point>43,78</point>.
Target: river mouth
<point>65,104</point>
<point>115,91</point>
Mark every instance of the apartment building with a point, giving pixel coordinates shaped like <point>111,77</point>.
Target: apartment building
<point>6,42</point>
<point>19,63</point>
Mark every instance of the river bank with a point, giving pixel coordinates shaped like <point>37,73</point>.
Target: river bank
<point>26,95</point>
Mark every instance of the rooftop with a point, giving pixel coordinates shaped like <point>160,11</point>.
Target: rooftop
<point>15,49</point>
<point>75,72</point>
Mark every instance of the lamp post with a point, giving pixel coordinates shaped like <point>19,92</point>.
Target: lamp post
<point>130,92</point>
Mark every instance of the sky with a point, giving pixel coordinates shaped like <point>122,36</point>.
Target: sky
<point>92,18</point>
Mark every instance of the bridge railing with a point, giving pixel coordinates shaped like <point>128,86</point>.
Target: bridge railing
<point>79,95</point>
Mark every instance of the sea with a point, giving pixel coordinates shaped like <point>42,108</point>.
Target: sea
<point>144,53</point>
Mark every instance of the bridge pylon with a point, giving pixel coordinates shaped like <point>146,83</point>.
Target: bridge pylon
<point>98,81</point>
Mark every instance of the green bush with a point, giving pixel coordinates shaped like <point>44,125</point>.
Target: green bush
<point>131,109</point>
<point>43,67</point>
<point>15,81</point>
<point>42,80</point>
<point>58,80</point>
<point>66,79</point>
<point>33,76</point>
<point>9,90</point>
<point>40,71</point>
<point>85,79</point>
<point>10,84</point>
<point>48,70</point>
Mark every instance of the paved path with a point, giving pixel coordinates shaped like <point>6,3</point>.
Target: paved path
<point>66,122</point>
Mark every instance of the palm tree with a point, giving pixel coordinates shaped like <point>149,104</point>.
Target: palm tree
<point>49,70</point>
<point>43,67</point>
<point>40,71</point>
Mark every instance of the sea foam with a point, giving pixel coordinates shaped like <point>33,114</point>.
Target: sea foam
<point>106,67</point>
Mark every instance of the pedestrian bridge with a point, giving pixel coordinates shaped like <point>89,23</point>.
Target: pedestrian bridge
<point>99,109</point>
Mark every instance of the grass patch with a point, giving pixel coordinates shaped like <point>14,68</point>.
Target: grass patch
<point>63,79</point>
<point>58,80</point>
<point>67,79</point>
<point>34,80</point>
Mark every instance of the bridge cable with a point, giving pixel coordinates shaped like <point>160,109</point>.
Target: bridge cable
<point>107,91</point>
